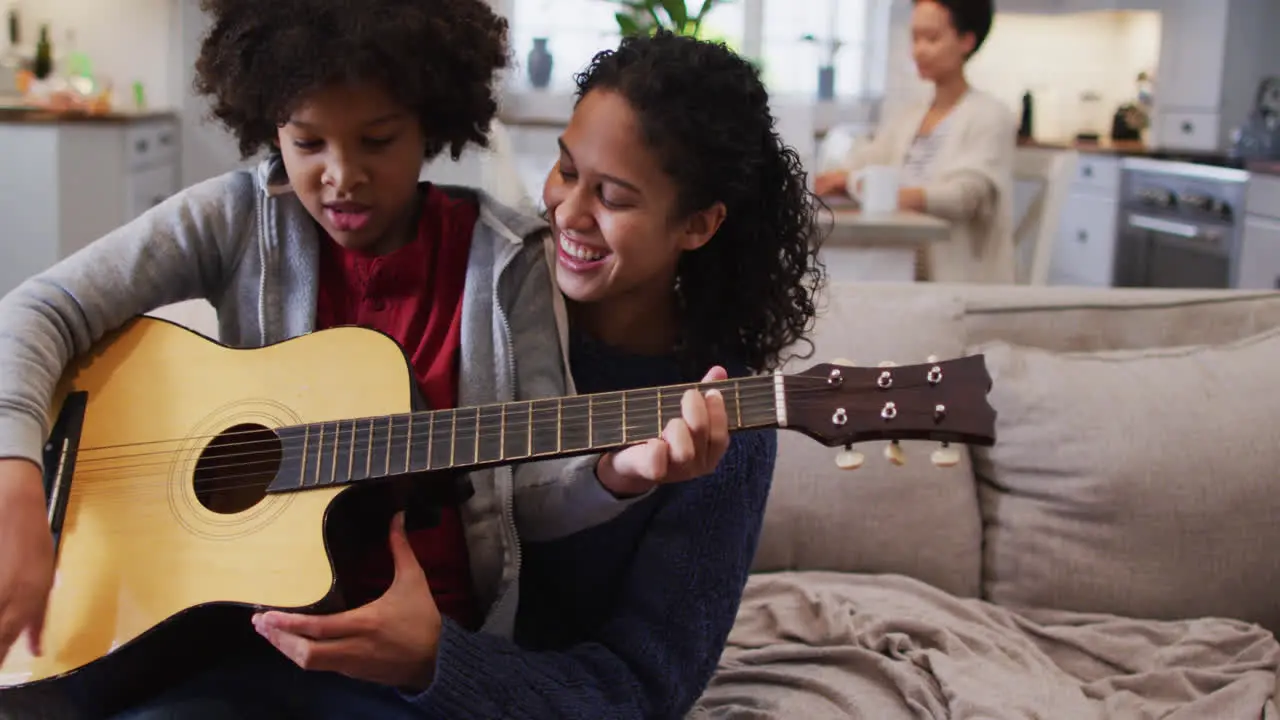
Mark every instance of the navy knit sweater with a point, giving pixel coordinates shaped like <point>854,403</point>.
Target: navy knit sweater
<point>627,619</point>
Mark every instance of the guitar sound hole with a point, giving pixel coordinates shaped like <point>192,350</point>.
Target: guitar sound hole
<point>234,471</point>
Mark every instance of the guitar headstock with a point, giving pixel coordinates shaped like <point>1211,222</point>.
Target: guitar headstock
<point>945,401</point>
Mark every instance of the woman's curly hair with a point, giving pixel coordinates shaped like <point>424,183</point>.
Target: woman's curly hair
<point>439,58</point>
<point>748,293</point>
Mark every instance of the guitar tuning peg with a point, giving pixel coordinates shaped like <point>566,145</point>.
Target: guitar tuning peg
<point>945,456</point>
<point>887,363</point>
<point>842,361</point>
<point>893,453</point>
<point>848,459</point>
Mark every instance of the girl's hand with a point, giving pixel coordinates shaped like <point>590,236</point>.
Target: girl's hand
<point>26,555</point>
<point>691,446</point>
<point>392,640</point>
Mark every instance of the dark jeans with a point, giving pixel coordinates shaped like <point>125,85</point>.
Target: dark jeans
<point>267,686</point>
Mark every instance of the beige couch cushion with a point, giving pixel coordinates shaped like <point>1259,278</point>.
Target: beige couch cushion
<point>1142,483</point>
<point>916,520</point>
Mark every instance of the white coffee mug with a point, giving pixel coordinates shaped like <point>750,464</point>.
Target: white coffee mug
<point>876,188</point>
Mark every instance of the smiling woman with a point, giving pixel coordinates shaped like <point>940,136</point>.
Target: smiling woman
<point>695,215</point>
<point>685,238</point>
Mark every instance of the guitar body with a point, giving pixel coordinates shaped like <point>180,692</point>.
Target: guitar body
<point>163,516</point>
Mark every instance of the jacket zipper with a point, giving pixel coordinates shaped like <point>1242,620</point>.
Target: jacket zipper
<point>508,509</point>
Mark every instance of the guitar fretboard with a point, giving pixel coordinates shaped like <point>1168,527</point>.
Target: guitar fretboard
<point>344,451</point>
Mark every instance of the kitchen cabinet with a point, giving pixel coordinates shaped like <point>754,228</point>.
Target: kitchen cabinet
<point>1212,57</point>
<point>1084,251</point>
<point>1259,256</point>
<point>1075,6</point>
<point>65,184</point>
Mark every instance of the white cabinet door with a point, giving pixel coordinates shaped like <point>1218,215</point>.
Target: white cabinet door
<point>1187,130</point>
<point>1192,55</point>
<point>1260,256</point>
<point>148,188</point>
<point>1084,252</point>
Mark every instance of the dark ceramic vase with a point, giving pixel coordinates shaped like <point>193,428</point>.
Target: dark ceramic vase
<point>540,62</point>
<point>826,82</point>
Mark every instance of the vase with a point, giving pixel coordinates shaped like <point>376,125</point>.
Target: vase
<point>540,62</point>
<point>826,82</point>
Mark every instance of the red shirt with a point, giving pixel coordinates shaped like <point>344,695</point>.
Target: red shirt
<point>414,295</point>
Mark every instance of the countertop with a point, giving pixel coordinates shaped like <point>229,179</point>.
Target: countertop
<point>849,226</point>
<point>1102,147</point>
<point>11,115</point>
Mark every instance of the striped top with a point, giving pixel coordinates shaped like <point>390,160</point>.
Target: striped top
<point>917,164</point>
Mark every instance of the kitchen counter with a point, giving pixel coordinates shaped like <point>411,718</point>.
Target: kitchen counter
<point>909,229</point>
<point>13,115</point>
<point>876,247</point>
<point>1264,167</point>
<point>1102,147</point>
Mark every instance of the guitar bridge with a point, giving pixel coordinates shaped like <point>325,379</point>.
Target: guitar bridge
<point>60,460</point>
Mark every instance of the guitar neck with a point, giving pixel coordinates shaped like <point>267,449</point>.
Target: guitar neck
<point>338,452</point>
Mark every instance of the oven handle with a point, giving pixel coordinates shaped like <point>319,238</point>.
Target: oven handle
<point>1167,227</point>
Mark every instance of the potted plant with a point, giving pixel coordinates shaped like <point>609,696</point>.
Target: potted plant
<point>827,69</point>
<point>644,17</point>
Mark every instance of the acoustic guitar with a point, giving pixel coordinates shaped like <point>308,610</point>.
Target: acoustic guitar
<point>184,474</point>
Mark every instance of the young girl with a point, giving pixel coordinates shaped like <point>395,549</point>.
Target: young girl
<point>334,228</point>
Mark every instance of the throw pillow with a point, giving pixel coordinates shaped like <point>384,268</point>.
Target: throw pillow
<point>1140,483</point>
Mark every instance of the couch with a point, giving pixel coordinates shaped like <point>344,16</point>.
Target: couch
<point>1115,553</point>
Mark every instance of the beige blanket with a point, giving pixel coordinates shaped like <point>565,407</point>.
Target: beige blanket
<point>832,645</point>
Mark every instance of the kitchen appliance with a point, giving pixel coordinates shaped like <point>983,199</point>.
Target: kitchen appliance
<point>1133,117</point>
<point>1259,137</point>
<point>1181,221</point>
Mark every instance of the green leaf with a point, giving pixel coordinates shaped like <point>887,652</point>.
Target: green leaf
<point>678,13</point>
<point>627,25</point>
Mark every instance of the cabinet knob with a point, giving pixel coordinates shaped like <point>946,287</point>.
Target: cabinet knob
<point>1088,171</point>
<point>1082,236</point>
<point>141,146</point>
<point>1188,127</point>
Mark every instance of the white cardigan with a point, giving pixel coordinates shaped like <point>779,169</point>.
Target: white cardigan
<point>971,185</point>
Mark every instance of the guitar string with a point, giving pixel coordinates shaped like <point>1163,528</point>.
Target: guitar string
<point>135,490</point>
<point>93,484</point>
<point>598,400</point>
<point>462,426</point>
<point>275,453</point>
<point>444,419</point>
<point>443,437</point>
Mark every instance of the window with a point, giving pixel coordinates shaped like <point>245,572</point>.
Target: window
<point>772,30</point>
<point>791,62</point>
<point>577,29</point>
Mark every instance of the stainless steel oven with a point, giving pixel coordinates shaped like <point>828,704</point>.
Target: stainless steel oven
<point>1180,224</point>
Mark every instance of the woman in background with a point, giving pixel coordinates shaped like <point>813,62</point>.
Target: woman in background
<point>955,152</point>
